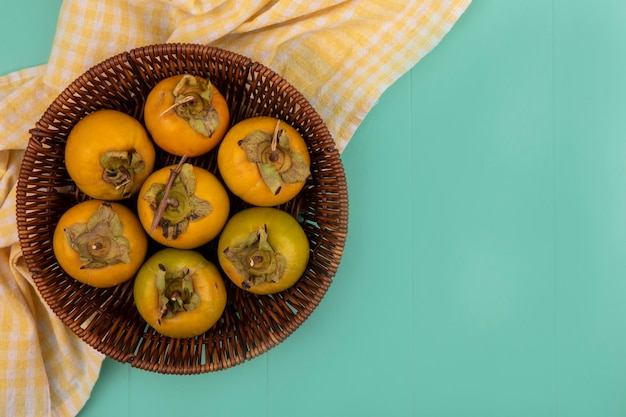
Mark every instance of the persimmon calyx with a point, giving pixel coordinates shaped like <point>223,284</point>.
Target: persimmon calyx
<point>176,292</point>
<point>277,163</point>
<point>255,259</point>
<point>193,102</point>
<point>99,242</point>
<point>182,205</point>
<point>120,168</point>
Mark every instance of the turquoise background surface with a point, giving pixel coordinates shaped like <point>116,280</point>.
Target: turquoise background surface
<point>485,269</point>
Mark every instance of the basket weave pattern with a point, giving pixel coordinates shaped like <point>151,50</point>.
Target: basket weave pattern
<point>107,319</point>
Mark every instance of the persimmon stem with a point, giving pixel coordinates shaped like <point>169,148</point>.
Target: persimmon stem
<point>163,312</point>
<point>178,103</point>
<point>165,200</point>
<point>275,136</point>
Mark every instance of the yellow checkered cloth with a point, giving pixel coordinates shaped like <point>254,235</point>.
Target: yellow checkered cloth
<point>341,54</point>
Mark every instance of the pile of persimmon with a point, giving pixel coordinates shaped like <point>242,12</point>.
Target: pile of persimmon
<point>103,241</point>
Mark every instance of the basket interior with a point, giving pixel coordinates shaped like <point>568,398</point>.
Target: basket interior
<point>107,318</point>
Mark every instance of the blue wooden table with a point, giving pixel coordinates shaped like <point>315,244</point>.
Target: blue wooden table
<point>485,268</point>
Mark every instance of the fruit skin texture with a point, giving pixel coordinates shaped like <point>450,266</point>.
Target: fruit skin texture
<point>242,177</point>
<point>99,132</point>
<point>200,231</point>
<point>171,132</point>
<point>110,275</point>
<point>285,235</point>
<point>207,282</point>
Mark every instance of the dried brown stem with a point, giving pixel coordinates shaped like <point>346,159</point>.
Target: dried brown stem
<point>178,103</point>
<point>275,136</point>
<point>158,214</point>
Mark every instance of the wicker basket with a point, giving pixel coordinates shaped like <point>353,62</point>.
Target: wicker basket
<point>107,319</point>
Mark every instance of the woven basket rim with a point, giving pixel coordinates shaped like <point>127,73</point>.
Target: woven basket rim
<point>42,187</point>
